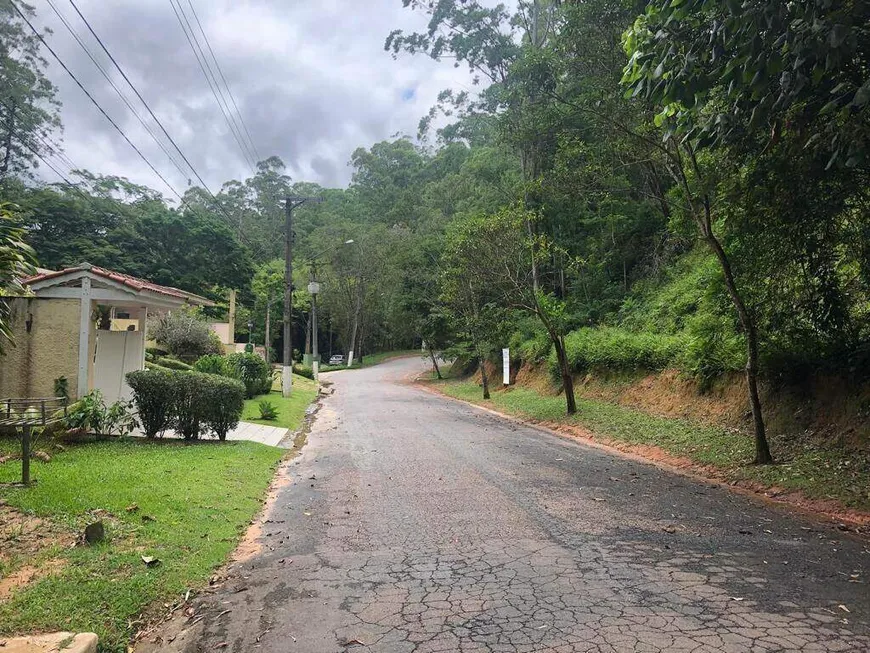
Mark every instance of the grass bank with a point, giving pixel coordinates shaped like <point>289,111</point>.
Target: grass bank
<point>184,504</point>
<point>291,410</point>
<point>370,360</point>
<point>825,474</point>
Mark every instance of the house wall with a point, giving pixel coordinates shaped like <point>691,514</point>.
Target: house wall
<point>50,350</point>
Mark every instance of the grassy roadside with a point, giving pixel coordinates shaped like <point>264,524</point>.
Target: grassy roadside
<point>291,410</point>
<point>186,505</point>
<point>369,360</point>
<point>821,474</point>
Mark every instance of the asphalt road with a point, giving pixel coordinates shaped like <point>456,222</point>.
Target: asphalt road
<point>415,523</point>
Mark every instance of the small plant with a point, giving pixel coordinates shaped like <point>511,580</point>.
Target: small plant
<point>268,411</point>
<point>61,387</point>
<point>91,415</point>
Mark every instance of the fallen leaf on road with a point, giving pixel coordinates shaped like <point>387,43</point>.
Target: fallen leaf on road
<point>669,529</point>
<point>307,514</point>
<point>222,645</point>
<point>736,598</point>
<point>598,499</point>
<point>353,642</point>
<point>844,608</point>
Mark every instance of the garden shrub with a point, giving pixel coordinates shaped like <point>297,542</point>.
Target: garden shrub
<point>190,402</point>
<point>173,364</point>
<point>221,402</point>
<point>253,371</point>
<point>213,364</point>
<point>154,395</point>
<point>189,406</point>
<point>185,335</point>
<point>303,370</point>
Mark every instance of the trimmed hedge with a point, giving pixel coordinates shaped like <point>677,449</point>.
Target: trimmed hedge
<point>154,396</point>
<point>192,403</point>
<point>173,364</point>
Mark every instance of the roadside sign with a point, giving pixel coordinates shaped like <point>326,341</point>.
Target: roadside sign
<point>506,366</point>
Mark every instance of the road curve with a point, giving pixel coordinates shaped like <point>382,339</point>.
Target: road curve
<point>414,523</point>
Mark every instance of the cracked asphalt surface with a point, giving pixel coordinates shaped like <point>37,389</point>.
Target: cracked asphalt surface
<point>413,523</point>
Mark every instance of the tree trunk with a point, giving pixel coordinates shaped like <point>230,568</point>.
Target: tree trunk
<point>484,379</point>
<point>565,371</point>
<point>762,449</point>
<point>268,337</point>
<point>355,328</point>
<point>747,322</point>
<point>435,364</point>
<point>7,142</point>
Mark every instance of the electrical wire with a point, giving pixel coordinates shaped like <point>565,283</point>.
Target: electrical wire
<point>226,84</point>
<point>91,98</point>
<point>115,87</point>
<point>201,59</point>
<point>216,202</point>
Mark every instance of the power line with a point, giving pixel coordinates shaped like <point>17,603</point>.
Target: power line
<point>91,98</point>
<point>157,120</point>
<point>206,70</point>
<point>115,87</point>
<point>229,90</point>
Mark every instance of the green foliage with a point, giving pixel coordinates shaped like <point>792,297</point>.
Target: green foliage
<point>268,411</point>
<point>221,402</point>
<point>251,370</point>
<point>192,403</point>
<point>618,349</point>
<point>173,364</point>
<point>91,415</point>
<point>185,335</point>
<point>213,364</point>
<point>154,395</point>
<point>16,260</point>
<point>61,387</point>
<point>304,371</point>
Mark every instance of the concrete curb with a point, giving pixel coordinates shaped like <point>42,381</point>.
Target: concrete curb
<point>51,643</point>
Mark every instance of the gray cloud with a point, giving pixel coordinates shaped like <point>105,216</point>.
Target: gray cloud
<point>310,78</point>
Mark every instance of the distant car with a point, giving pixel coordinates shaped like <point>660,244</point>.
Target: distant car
<point>337,359</point>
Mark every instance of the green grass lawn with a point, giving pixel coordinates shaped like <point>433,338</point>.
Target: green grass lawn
<point>370,360</point>
<point>199,497</point>
<point>828,473</point>
<point>290,410</point>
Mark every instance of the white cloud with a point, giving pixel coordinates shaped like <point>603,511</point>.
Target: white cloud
<point>311,79</point>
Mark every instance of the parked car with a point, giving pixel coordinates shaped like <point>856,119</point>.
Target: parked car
<point>336,359</point>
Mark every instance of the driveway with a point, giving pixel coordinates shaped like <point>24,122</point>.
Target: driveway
<point>412,523</point>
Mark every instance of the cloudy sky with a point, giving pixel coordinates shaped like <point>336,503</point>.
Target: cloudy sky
<point>311,79</point>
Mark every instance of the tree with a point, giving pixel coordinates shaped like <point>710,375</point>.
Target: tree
<point>28,108</point>
<point>16,260</point>
<point>498,253</point>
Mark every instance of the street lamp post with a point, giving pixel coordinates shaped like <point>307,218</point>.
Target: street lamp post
<point>314,290</point>
<point>291,203</point>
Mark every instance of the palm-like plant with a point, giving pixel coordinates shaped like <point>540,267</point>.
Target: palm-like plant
<point>16,260</point>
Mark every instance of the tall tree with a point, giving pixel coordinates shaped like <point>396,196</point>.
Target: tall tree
<point>28,106</point>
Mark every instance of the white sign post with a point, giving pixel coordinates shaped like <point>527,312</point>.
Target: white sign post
<point>506,366</point>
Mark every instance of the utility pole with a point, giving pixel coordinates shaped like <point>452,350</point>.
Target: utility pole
<point>314,290</point>
<point>291,203</point>
<point>268,343</point>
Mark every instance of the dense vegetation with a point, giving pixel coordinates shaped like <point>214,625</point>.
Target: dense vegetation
<point>636,185</point>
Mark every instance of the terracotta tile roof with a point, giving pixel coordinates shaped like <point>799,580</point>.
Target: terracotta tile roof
<point>131,282</point>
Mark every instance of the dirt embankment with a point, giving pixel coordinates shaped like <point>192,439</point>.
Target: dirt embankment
<point>822,408</point>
